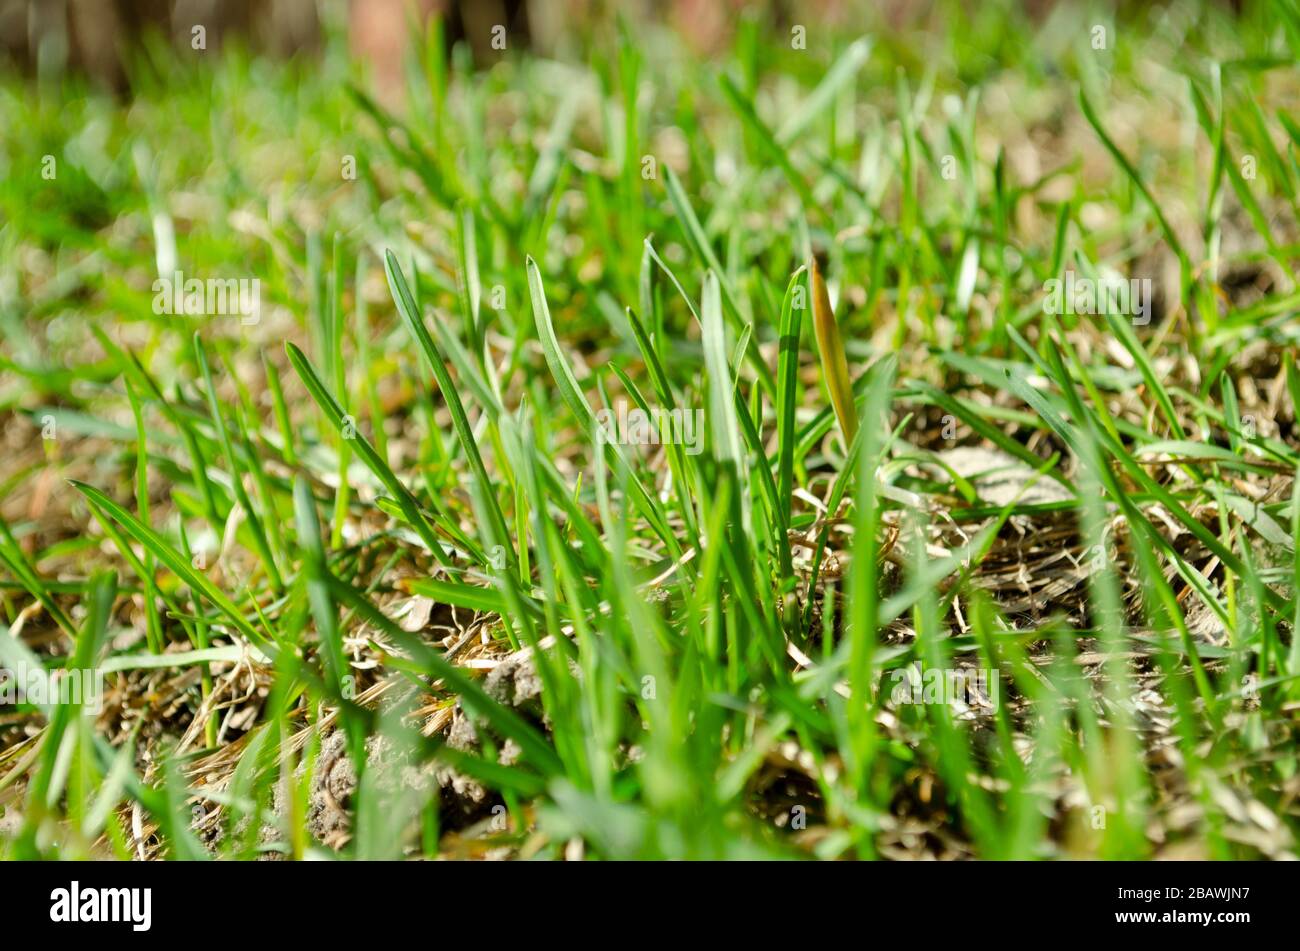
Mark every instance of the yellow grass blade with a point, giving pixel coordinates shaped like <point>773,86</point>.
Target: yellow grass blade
<point>835,366</point>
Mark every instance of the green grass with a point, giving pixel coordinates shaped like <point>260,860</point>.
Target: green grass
<point>386,522</point>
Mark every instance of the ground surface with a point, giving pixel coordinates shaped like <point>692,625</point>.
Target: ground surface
<point>391,590</point>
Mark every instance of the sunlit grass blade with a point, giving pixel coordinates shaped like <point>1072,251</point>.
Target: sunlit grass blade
<point>401,495</point>
<point>410,314</point>
<point>177,563</point>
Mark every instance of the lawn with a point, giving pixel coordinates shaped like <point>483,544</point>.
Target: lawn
<point>870,437</point>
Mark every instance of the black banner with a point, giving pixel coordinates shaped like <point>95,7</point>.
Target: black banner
<point>144,902</point>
